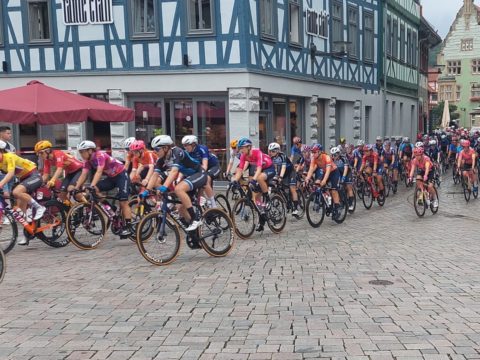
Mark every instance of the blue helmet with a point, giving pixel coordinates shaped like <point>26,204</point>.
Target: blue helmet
<point>244,142</point>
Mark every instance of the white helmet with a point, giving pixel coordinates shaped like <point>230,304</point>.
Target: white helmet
<point>419,144</point>
<point>85,145</point>
<point>432,142</point>
<point>360,143</point>
<point>161,140</point>
<point>189,140</point>
<point>334,150</point>
<point>274,146</point>
<point>3,145</point>
<point>127,142</point>
<point>406,139</point>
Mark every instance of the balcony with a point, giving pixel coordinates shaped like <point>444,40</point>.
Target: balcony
<point>475,99</point>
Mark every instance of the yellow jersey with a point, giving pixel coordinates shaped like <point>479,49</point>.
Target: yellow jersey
<point>22,167</point>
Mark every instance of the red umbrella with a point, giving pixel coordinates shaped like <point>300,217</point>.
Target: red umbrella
<point>38,103</point>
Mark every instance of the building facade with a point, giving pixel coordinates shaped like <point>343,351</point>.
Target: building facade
<point>267,69</point>
<point>459,58</point>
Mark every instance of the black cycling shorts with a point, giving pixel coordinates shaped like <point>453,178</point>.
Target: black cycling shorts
<point>214,172</point>
<point>32,182</point>
<point>70,180</point>
<point>197,180</point>
<point>120,181</point>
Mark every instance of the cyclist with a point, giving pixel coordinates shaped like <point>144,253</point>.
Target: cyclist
<point>467,160</point>
<point>343,146</point>
<point>128,154</point>
<point>358,155</point>
<point>379,146</point>
<point>303,163</point>
<point>143,162</point>
<point>209,163</point>
<point>433,152</point>
<point>406,151</point>
<point>284,172</point>
<point>390,162</point>
<point>372,164</point>
<point>116,177</point>
<point>296,151</point>
<point>325,171</point>
<point>63,162</point>
<point>234,158</point>
<point>30,180</point>
<point>423,165</point>
<point>178,161</point>
<point>452,149</point>
<point>345,172</point>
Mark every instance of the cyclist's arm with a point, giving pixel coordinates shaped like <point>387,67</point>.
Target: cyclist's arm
<point>459,161</point>
<point>9,176</point>
<point>139,170</point>
<point>345,170</point>
<point>412,170</point>
<point>152,181</point>
<point>427,168</point>
<point>328,170</point>
<point>230,165</point>
<point>56,175</point>
<point>82,179</point>
<point>172,175</point>
<point>311,170</point>
<point>151,171</point>
<point>205,164</point>
<point>474,160</point>
<point>97,176</point>
<point>283,170</point>
<point>375,164</point>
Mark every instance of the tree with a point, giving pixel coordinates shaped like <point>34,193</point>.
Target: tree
<point>437,113</point>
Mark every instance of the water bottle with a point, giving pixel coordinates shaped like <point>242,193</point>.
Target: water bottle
<point>108,209</point>
<point>202,201</point>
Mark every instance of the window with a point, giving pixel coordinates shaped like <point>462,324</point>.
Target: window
<point>475,90</point>
<point>295,22</point>
<point>353,32</point>
<point>414,49</point>
<point>458,93</point>
<point>454,67</point>
<point>267,25</point>
<point>1,26</point>
<point>402,42</point>
<point>388,37</point>
<point>200,15</point>
<point>467,45</point>
<point>476,66</point>
<point>368,37</point>
<point>337,26</point>
<point>148,117</point>
<point>395,39</point>
<point>39,21</point>
<point>409,46</point>
<point>143,19</point>
<point>446,92</point>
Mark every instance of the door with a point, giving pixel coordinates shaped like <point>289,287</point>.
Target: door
<point>179,115</point>
<point>263,133</point>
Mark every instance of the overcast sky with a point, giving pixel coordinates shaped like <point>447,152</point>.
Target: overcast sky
<point>441,13</point>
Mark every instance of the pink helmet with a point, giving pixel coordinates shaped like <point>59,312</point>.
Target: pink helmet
<point>137,145</point>
<point>465,143</point>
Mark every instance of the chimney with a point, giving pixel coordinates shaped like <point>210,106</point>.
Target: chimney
<point>467,6</point>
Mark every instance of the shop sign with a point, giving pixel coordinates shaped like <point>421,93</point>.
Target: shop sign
<point>84,12</point>
<point>317,23</point>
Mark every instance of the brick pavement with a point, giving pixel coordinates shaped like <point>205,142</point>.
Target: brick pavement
<point>302,294</point>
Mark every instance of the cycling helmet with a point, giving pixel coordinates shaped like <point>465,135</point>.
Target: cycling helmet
<point>398,138</point>
<point>161,140</point>
<point>368,147</point>
<point>342,140</point>
<point>334,150</point>
<point>297,140</point>
<point>406,139</point>
<point>418,151</point>
<point>42,145</point>
<point>378,138</point>
<point>137,145</point>
<point>419,144</point>
<point>306,148</point>
<point>360,143</point>
<point>234,144</point>
<point>432,142</point>
<point>465,143</point>
<point>127,142</point>
<point>386,143</point>
<point>274,147</point>
<point>244,142</point>
<point>85,145</point>
<point>317,148</point>
<point>443,136</point>
<point>189,140</point>
<point>3,145</point>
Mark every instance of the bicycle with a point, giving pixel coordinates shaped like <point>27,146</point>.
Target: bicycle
<point>283,190</point>
<point>95,216</point>
<point>388,181</point>
<point>467,186</point>
<point>245,213</point>
<point>371,193</point>
<point>159,230</point>
<point>407,166</point>
<point>53,220</point>
<point>354,197</point>
<point>455,174</point>
<point>320,203</point>
<point>422,199</point>
<point>3,265</point>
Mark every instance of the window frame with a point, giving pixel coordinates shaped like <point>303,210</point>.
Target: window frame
<point>210,31</point>
<point>454,67</point>
<point>335,19</point>
<point>144,35</point>
<point>298,4</point>
<point>368,14</point>
<point>409,47</point>
<point>353,41</point>
<point>415,49</point>
<point>264,35</point>
<point>464,43</point>
<point>475,66</point>
<point>474,88</point>
<point>49,13</point>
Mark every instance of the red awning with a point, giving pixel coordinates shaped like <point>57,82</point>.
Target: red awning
<point>38,103</point>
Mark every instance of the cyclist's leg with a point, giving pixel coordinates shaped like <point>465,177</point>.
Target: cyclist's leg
<point>213,173</point>
<point>21,192</point>
<point>193,182</point>
<point>334,180</point>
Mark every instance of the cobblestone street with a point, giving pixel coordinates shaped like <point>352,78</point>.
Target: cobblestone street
<point>302,294</point>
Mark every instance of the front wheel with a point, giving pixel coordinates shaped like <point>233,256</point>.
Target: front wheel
<point>53,221</point>
<point>244,217</point>
<point>86,226</point>
<point>3,265</point>
<point>367,196</point>
<point>466,190</point>
<point>352,202</point>
<point>419,202</point>
<point>434,209</point>
<point>315,209</point>
<point>223,203</point>
<point>276,213</point>
<point>8,232</point>
<point>217,235</point>
<point>342,209</point>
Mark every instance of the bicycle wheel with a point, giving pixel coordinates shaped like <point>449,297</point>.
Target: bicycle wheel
<point>86,226</point>
<point>232,194</point>
<point>343,209</point>
<point>359,188</point>
<point>244,217</point>
<point>301,204</point>
<point>3,265</point>
<point>466,190</point>
<point>158,248</point>
<point>367,196</point>
<point>315,209</point>
<point>381,198</point>
<point>217,234</point>
<point>419,203</point>
<point>433,209</point>
<point>387,184</point>
<point>8,232</point>
<point>354,202</point>
<point>138,212</point>
<point>475,192</point>
<point>54,219</point>
<point>276,213</point>
<point>223,203</point>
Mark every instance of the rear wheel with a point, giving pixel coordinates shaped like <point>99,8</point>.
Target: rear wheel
<point>139,210</point>
<point>3,265</point>
<point>387,184</point>
<point>434,209</point>
<point>55,218</point>
<point>244,217</point>
<point>301,204</point>
<point>217,233</point>
<point>315,209</point>
<point>367,196</point>
<point>466,189</point>
<point>86,226</point>
<point>343,209</point>
<point>353,202</point>
<point>419,203</point>
<point>276,213</point>
<point>8,232</point>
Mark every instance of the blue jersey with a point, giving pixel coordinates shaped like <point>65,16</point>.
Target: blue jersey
<point>341,163</point>
<point>453,148</point>
<point>357,154</point>
<point>201,152</point>
<point>183,161</point>
<point>282,160</point>
<point>406,148</point>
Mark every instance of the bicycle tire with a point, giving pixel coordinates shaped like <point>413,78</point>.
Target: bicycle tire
<point>466,191</point>
<point>381,198</point>
<point>223,203</point>
<point>276,214</point>
<point>54,209</point>
<point>367,196</point>
<point>419,209</point>
<point>432,209</point>
<point>354,201</point>
<point>217,222</point>
<point>386,184</point>
<point>243,212</point>
<point>3,265</point>
<point>75,221</point>
<point>151,220</point>
<point>7,243</point>
<point>475,193</point>
<point>343,208</point>
<point>301,204</point>
<point>137,215</point>
<point>315,205</point>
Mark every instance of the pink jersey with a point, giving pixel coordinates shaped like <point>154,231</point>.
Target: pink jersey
<point>61,159</point>
<point>467,156</point>
<point>256,158</point>
<point>422,163</point>
<point>111,167</point>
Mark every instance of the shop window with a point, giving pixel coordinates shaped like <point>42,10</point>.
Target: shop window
<point>39,20</point>
<point>143,18</point>
<point>212,128</point>
<point>295,122</point>
<point>337,26</point>
<point>1,26</point>
<point>368,37</point>
<point>57,134</point>
<point>454,67</point>
<point>475,91</point>
<point>476,66</point>
<point>466,45</point>
<point>200,15</point>
<point>182,118</point>
<point>295,21</point>
<point>352,32</point>
<point>267,16</point>
<point>148,118</point>
<point>458,92</point>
